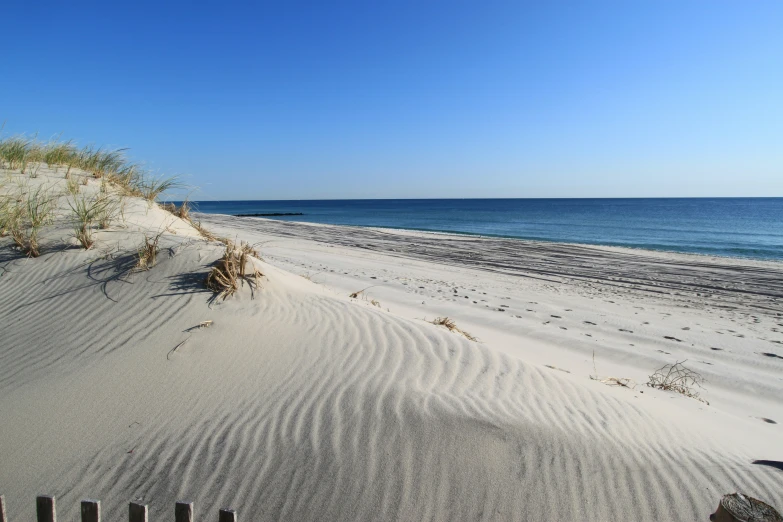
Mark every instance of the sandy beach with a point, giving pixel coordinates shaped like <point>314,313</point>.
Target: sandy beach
<point>299,402</point>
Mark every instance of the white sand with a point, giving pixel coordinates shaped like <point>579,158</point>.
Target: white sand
<point>304,404</point>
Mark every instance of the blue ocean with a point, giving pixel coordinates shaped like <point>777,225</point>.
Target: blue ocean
<point>737,227</point>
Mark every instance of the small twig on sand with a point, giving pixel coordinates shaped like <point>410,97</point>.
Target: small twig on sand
<point>677,378</point>
<point>202,324</point>
<point>168,355</point>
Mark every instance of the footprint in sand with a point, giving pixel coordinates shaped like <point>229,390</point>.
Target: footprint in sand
<point>716,349</point>
<point>624,330</point>
<point>556,316</point>
<point>669,337</point>
<point>768,421</point>
<point>773,355</point>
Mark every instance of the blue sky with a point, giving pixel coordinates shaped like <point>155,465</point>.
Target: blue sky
<point>370,99</point>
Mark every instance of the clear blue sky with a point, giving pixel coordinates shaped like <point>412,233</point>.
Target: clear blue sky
<point>373,99</point>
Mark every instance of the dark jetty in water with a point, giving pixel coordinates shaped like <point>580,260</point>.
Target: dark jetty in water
<point>271,214</point>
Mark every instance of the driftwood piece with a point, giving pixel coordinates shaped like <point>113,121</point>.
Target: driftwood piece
<point>183,512</point>
<point>91,511</point>
<point>3,517</point>
<point>45,509</point>
<point>227,515</point>
<point>742,508</point>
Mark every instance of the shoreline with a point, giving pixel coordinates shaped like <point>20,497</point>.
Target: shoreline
<point>527,258</point>
<point>500,236</point>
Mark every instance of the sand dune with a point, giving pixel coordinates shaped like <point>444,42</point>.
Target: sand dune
<point>304,404</point>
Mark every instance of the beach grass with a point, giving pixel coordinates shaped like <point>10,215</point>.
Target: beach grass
<point>86,210</point>
<point>231,271</point>
<point>147,253</point>
<point>27,154</point>
<point>31,212</point>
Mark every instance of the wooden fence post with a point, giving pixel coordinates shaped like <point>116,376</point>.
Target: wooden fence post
<point>227,515</point>
<point>137,512</point>
<point>91,511</point>
<point>44,506</point>
<point>183,512</point>
<point>3,517</point>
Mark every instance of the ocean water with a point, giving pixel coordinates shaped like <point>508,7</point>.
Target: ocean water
<point>738,227</point>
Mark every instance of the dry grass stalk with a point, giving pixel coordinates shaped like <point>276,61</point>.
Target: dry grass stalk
<point>355,295</point>
<point>231,271</point>
<point>677,378</point>
<point>206,234</point>
<point>183,211</point>
<point>612,381</point>
<point>452,327</point>
<point>147,253</point>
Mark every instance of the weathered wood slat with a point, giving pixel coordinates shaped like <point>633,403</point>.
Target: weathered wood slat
<point>45,509</point>
<point>3,517</point>
<point>227,515</point>
<point>183,512</point>
<point>91,511</point>
<point>137,512</point>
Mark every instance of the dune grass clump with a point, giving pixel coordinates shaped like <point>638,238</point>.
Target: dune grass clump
<point>182,211</point>
<point>231,271</point>
<point>85,212</point>
<point>452,327</point>
<point>40,211</point>
<point>147,254</point>
<point>677,378</point>
<point>14,152</point>
<point>28,154</point>
<point>25,215</point>
<point>57,154</point>
<point>14,213</point>
<point>113,207</point>
<point>8,214</point>
<point>72,186</point>
<point>151,188</point>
